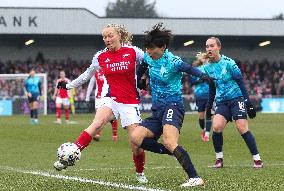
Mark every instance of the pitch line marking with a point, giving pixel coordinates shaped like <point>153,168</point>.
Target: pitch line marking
<point>165,167</point>
<point>124,168</point>
<point>79,179</point>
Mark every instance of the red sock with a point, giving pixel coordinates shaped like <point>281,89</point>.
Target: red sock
<point>114,125</point>
<point>83,140</point>
<point>66,114</point>
<point>139,161</point>
<point>58,112</point>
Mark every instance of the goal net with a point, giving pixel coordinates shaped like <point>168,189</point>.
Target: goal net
<point>12,91</point>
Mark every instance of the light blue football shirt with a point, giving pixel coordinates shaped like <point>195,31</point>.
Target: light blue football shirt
<point>225,71</point>
<point>201,90</point>
<point>32,85</point>
<point>165,77</point>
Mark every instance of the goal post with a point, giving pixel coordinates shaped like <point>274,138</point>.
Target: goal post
<point>12,88</point>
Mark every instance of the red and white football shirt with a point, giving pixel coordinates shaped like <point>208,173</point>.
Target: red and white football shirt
<point>62,93</point>
<point>119,69</point>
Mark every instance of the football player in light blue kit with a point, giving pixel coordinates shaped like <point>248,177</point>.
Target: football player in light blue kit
<point>33,92</point>
<point>165,72</point>
<point>232,101</point>
<point>201,93</point>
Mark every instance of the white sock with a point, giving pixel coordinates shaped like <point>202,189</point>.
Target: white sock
<point>219,155</point>
<point>256,157</point>
<point>207,133</point>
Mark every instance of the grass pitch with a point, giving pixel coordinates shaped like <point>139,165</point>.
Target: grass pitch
<point>27,153</point>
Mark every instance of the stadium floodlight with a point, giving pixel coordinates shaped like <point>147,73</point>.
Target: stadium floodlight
<point>28,42</point>
<point>264,43</point>
<point>188,43</point>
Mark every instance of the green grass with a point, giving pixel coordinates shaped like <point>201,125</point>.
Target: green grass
<point>33,148</point>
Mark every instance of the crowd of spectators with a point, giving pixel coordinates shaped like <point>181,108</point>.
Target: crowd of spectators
<point>263,78</point>
<point>15,87</point>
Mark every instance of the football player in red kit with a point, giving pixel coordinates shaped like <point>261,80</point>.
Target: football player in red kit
<point>118,63</point>
<point>101,91</point>
<point>61,97</point>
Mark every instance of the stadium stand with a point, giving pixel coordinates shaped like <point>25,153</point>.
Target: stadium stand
<point>263,78</point>
<point>64,42</point>
<point>52,67</point>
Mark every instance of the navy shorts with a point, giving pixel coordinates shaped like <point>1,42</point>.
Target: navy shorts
<point>232,109</point>
<point>172,114</point>
<point>33,98</point>
<point>201,104</point>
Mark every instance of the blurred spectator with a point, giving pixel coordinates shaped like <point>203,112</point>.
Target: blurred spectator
<point>262,78</point>
<point>15,87</point>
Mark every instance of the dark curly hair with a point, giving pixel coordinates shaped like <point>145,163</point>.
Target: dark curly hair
<point>158,37</point>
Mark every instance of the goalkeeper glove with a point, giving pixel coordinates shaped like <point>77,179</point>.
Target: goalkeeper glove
<point>251,110</point>
<point>62,85</point>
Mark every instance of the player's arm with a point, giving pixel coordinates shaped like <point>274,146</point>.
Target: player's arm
<point>141,82</point>
<point>83,78</point>
<point>26,88</point>
<point>185,67</point>
<point>69,91</point>
<point>27,93</point>
<point>193,80</point>
<point>241,84</point>
<point>237,76</point>
<point>55,90</point>
<point>141,69</point>
<point>139,55</point>
<point>90,88</point>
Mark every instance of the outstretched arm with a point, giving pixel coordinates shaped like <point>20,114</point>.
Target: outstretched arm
<point>90,88</point>
<point>83,78</point>
<point>193,81</point>
<point>250,108</point>
<point>185,67</point>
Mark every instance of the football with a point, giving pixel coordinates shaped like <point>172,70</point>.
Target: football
<point>68,154</point>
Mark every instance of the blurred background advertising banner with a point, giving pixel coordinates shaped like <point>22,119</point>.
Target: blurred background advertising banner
<point>272,105</point>
<point>6,107</point>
